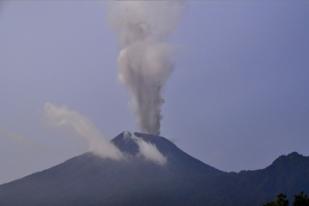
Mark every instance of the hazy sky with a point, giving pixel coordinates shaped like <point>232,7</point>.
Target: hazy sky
<point>237,99</point>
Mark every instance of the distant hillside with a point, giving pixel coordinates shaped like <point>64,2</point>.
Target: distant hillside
<point>88,180</point>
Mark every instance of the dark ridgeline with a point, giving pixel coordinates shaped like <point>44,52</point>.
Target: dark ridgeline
<point>88,180</point>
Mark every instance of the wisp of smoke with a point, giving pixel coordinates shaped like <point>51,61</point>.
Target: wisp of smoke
<point>64,117</point>
<point>150,152</point>
<point>146,149</point>
<point>145,58</point>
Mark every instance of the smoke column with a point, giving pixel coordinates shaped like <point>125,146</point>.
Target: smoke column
<point>145,58</point>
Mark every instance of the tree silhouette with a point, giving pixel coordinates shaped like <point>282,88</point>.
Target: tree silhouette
<point>281,200</point>
<point>301,200</point>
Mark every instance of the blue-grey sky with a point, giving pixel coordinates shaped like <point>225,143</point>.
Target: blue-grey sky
<point>238,97</point>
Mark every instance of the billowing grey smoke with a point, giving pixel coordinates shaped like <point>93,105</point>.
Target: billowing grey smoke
<point>145,57</point>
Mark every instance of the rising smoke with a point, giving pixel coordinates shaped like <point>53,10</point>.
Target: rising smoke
<point>62,116</point>
<point>150,152</point>
<point>146,149</point>
<point>145,58</point>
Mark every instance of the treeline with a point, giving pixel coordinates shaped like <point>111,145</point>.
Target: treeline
<point>301,199</point>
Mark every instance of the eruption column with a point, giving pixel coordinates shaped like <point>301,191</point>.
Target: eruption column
<point>145,58</point>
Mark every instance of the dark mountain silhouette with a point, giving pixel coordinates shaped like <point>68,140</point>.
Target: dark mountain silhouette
<point>88,180</point>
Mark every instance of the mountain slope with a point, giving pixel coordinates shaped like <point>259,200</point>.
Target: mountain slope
<point>93,181</point>
<point>288,174</point>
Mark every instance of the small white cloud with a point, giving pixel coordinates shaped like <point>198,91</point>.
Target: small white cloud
<point>62,116</point>
<point>150,152</point>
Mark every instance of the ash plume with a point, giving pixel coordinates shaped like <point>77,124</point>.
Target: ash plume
<point>144,61</point>
<point>62,116</point>
<point>150,152</point>
<point>147,150</point>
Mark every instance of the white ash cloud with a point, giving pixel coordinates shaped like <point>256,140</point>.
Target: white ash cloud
<point>148,150</point>
<point>62,116</point>
<point>145,62</point>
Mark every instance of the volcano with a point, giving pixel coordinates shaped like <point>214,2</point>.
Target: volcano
<point>88,180</point>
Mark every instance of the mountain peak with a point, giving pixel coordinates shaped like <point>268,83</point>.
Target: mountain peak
<point>290,157</point>
<point>289,160</point>
<point>126,142</point>
<point>295,155</point>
